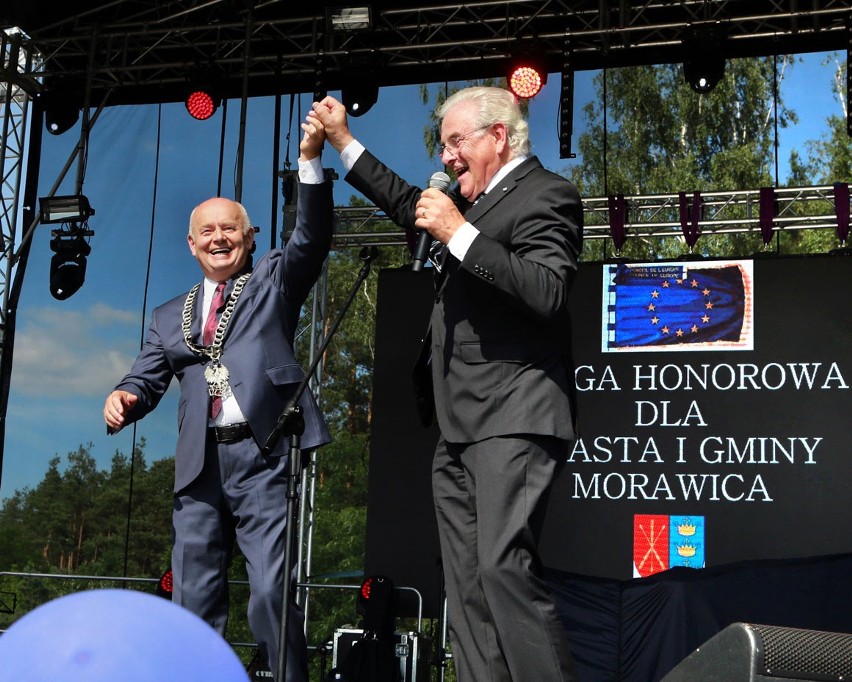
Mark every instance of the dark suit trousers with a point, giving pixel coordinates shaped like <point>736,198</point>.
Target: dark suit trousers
<point>490,498</point>
<point>238,494</point>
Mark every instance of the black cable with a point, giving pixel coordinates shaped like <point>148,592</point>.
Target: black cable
<point>222,147</point>
<point>142,329</point>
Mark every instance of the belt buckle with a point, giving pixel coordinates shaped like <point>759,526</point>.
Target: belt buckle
<point>229,433</point>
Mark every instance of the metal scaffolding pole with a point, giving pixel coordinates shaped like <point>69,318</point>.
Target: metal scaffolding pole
<point>16,89</point>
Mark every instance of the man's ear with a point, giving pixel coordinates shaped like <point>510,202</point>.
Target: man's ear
<point>191,242</point>
<point>252,234</point>
<point>502,134</point>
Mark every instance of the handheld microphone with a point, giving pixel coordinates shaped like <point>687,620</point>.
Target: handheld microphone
<point>439,181</point>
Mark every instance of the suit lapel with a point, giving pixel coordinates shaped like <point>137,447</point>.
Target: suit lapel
<point>501,190</point>
<point>197,325</point>
<point>481,208</point>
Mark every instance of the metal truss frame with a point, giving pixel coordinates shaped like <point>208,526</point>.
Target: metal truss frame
<point>648,216</point>
<point>15,102</point>
<point>144,52</point>
<point>13,136</point>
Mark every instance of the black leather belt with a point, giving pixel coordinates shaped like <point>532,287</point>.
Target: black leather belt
<point>231,433</point>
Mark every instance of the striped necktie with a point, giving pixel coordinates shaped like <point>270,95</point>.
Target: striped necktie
<point>207,338</point>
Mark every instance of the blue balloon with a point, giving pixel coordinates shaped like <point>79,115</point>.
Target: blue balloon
<point>115,635</point>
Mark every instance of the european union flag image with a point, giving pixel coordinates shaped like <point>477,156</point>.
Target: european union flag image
<point>678,306</point>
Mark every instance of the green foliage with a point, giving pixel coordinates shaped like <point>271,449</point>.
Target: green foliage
<point>76,522</point>
<point>653,135</point>
<point>659,135</point>
<point>828,160</point>
<point>830,156</point>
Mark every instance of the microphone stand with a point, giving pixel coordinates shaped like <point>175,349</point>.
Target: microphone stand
<point>292,422</point>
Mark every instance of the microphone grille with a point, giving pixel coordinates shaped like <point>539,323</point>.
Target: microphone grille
<point>440,181</point>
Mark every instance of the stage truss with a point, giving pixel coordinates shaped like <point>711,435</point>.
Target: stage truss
<point>140,52</point>
<point>648,216</point>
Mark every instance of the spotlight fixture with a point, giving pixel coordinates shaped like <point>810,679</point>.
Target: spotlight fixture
<point>527,75</point>
<point>68,265</point>
<point>704,61</point>
<point>377,604</point>
<point>361,89</point>
<point>61,106</point>
<point>349,18</point>
<point>202,96</point>
<point>60,116</point>
<point>704,73</point>
<point>69,243</point>
<point>165,586</point>
<point>201,103</point>
<point>73,208</point>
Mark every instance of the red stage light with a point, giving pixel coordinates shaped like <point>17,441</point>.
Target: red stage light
<point>201,104</point>
<point>526,81</point>
<point>166,585</point>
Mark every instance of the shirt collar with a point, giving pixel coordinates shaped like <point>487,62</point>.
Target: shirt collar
<point>210,286</point>
<point>505,169</point>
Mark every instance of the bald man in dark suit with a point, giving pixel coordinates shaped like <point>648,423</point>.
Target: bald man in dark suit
<point>233,387</point>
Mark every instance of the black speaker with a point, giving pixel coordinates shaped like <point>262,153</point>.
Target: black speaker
<point>767,653</point>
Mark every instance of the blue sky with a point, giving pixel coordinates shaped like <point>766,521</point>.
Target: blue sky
<point>69,354</point>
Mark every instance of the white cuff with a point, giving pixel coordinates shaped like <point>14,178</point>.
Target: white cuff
<point>460,242</point>
<point>310,172</point>
<point>350,154</point>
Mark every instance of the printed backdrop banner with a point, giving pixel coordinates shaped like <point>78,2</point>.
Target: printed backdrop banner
<point>733,435</point>
<point>741,436</point>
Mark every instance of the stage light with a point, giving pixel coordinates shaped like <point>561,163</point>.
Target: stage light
<point>69,243</point>
<point>566,102</point>
<point>377,604</point>
<point>349,18</point>
<point>65,209</point>
<point>527,75</point>
<point>361,91</point>
<point>68,265</point>
<point>165,586</point>
<point>526,81</point>
<point>201,102</point>
<point>704,73</point>
<point>202,93</point>
<point>61,106</point>
<point>60,116</point>
<point>704,61</point>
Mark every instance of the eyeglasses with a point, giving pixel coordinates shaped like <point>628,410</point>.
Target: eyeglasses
<point>455,142</point>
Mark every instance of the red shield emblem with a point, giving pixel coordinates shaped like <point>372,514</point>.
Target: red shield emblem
<point>650,544</point>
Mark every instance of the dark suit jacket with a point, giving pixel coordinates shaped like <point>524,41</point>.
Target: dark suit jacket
<point>258,347</point>
<point>500,330</point>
